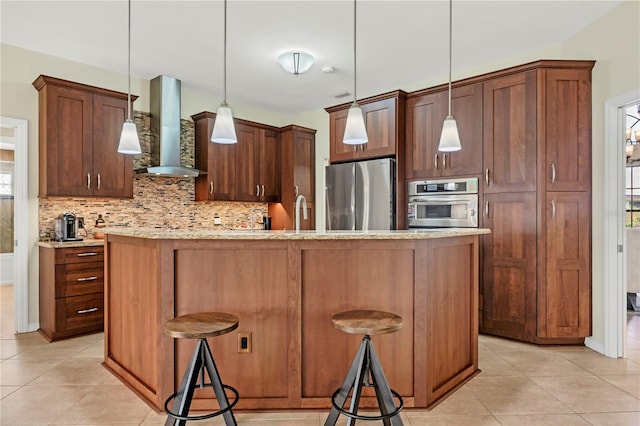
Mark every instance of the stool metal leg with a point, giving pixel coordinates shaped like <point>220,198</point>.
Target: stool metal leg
<point>361,377</point>
<point>187,386</point>
<point>383,391</point>
<point>352,373</point>
<point>216,383</point>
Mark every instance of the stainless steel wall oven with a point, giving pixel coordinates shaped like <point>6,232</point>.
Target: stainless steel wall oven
<point>444,203</point>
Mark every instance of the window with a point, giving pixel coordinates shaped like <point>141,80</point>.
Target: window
<point>632,197</point>
<point>6,184</point>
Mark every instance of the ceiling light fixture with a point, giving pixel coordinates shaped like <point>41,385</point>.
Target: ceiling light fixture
<point>129,142</point>
<point>224,130</point>
<point>450,139</point>
<point>296,62</point>
<point>355,132</point>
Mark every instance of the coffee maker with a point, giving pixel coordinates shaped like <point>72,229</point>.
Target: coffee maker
<point>66,227</point>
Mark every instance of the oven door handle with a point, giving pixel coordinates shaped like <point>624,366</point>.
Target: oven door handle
<point>441,200</point>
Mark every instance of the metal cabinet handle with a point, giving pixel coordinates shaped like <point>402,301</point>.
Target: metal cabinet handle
<point>486,208</point>
<point>90,253</point>
<point>98,180</point>
<point>257,190</point>
<point>210,187</point>
<point>486,175</point>
<point>444,161</point>
<point>87,279</point>
<point>435,162</point>
<point>262,192</point>
<point>553,172</point>
<point>295,191</point>
<point>86,311</point>
<point>88,180</point>
<point>553,209</point>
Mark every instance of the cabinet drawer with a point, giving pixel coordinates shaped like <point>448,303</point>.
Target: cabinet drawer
<point>80,254</point>
<point>76,279</point>
<point>80,312</point>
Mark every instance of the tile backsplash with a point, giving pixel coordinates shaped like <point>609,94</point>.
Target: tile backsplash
<point>158,202</point>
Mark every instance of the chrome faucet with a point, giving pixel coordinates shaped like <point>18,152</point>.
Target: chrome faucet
<point>299,200</point>
<point>251,216</point>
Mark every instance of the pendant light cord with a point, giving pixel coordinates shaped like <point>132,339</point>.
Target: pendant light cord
<point>129,65</point>
<point>450,48</point>
<point>354,53</point>
<point>224,54</point>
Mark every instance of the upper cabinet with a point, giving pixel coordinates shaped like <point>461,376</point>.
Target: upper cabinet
<point>79,132</point>
<point>384,118</point>
<point>248,170</point>
<point>426,111</point>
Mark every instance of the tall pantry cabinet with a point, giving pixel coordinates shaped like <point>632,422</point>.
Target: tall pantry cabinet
<point>536,282</point>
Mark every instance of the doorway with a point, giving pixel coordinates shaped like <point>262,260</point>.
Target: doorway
<point>13,183</point>
<point>615,245</point>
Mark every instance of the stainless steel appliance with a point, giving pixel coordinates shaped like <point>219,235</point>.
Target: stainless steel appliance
<point>66,227</point>
<point>445,203</point>
<point>361,195</point>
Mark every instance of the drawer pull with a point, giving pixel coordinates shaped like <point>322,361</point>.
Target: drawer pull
<point>87,311</point>
<point>91,253</point>
<point>87,279</point>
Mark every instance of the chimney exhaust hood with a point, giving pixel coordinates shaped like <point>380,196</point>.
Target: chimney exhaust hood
<point>165,126</point>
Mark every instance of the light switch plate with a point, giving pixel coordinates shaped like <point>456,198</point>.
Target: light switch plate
<point>244,342</point>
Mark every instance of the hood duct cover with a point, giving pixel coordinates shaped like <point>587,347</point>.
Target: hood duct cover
<point>165,126</point>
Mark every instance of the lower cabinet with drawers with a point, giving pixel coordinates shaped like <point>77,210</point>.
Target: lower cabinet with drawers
<point>71,291</point>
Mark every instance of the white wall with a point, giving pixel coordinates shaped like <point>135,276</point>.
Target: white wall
<point>613,41</point>
<point>6,268</point>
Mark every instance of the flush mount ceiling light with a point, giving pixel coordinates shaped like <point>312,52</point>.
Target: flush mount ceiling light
<point>450,139</point>
<point>129,142</point>
<point>223,129</point>
<point>355,132</point>
<point>296,62</point>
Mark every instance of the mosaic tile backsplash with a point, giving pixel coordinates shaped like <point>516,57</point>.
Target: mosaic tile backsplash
<point>158,202</point>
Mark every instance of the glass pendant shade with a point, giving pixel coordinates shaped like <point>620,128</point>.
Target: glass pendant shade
<point>355,132</point>
<point>449,139</point>
<point>129,142</point>
<point>223,129</point>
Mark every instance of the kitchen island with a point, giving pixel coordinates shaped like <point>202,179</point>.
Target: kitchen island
<point>284,287</point>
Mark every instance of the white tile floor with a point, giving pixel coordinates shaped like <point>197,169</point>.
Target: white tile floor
<point>63,383</point>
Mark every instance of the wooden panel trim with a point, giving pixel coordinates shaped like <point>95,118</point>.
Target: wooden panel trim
<point>294,323</point>
<point>43,80</point>
<point>236,120</point>
<point>420,346</point>
<point>400,95</point>
<point>296,128</point>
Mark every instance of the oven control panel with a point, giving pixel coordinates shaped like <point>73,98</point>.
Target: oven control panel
<point>442,186</point>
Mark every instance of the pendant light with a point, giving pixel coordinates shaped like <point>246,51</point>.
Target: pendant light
<point>129,142</point>
<point>355,132</point>
<point>223,129</point>
<point>450,139</point>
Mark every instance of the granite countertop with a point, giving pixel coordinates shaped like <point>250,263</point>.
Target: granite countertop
<point>414,234</point>
<point>89,242</point>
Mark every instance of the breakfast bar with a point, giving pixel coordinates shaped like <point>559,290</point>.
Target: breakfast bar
<point>284,287</point>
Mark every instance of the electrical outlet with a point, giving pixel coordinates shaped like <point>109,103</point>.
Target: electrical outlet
<point>244,342</point>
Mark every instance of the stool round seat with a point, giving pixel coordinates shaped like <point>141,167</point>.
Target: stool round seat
<point>368,322</point>
<point>201,325</point>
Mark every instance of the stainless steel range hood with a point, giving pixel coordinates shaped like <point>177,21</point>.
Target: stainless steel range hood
<point>165,126</point>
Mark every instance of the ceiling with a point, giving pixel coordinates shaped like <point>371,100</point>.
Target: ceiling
<point>399,44</point>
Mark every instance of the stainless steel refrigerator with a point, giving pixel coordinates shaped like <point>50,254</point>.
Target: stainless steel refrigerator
<point>361,195</point>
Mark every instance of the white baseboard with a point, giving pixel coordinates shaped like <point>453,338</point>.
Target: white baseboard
<point>595,345</point>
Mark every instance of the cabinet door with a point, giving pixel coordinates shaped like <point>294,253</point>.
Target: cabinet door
<point>509,265</point>
<point>423,127</point>
<point>247,181</point>
<point>268,157</point>
<point>304,165</point>
<point>380,120</point>
<point>510,137</point>
<point>338,150</point>
<point>565,296</point>
<point>112,171</point>
<point>66,142</point>
<point>466,107</point>
<point>568,130</point>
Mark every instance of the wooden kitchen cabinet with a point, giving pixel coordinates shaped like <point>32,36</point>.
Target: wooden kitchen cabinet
<point>248,170</point>
<point>384,120</point>
<point>79,133</point>
<point>510,132</point>
<point>426,111</point>
<point>564,302</point>
<point>298,171</point>
<point>71,285</point>
<point>537,149</point>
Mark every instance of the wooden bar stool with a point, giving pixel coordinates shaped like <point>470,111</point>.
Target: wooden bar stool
<point>366,369</point>
<point>200,326</point>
